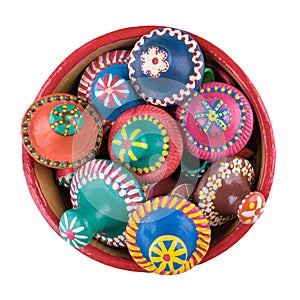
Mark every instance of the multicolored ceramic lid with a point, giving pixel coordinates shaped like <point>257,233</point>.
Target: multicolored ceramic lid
<point>147,140</point>
<point>222,188</point>
<point>156,241</point>
<point>165,66</point>
<point>103,195</point>
<point>61,131</point>
<point>217,121</point>
<point>106,83</point>
<point>251,208</point>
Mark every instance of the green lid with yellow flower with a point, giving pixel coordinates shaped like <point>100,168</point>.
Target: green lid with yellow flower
<point>147,141</point>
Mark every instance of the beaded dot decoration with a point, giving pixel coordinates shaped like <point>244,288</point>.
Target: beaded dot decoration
<point>207,194</point>
<point>134,144</point>
<point>40,157</point>
<point>66,119</point>
<point>212,116</point>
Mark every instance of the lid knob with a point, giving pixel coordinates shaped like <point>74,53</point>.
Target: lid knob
<point>251,208</point>
<point>168,252</point>
<point>66,119</point>
<point>76,229</point>
<point>212,116</point>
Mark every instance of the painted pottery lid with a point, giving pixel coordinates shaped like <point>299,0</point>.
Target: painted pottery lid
<point>165,66</point>
<point>158,244</point>
<point>106,83</point>
<point>217,121</point>
<point>223,187</point>
<point>147,140</point>
<point>104,217</point>
<point>251,208</point>
<point>61,131</point>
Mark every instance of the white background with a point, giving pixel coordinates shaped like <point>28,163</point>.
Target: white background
<point>262,37</point>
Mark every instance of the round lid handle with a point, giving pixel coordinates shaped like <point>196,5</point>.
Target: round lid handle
<point>76,228</point>
<point>134,144</point>
<point>251,208</point>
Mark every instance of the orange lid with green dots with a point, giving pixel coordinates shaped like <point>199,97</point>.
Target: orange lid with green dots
<point>61,131</point>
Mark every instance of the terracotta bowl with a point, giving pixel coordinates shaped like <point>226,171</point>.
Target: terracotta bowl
<point>53,200</point>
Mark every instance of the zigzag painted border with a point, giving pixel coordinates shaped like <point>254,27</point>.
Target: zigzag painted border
<point>194,78</point>
<point>190,210</point>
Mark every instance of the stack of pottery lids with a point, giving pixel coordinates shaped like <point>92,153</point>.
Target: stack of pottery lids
<point>159,178</point>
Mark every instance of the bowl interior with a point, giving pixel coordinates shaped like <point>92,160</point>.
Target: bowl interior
<point>53,200</point>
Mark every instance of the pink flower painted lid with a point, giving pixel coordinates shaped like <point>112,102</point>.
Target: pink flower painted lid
<point>217,121</point>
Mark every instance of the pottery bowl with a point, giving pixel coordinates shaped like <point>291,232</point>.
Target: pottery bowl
<point>52,200</point>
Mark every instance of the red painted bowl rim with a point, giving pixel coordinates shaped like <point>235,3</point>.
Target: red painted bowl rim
<point>268,154</point>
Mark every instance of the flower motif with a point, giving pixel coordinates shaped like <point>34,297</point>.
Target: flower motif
<point>225,170</point>
<point>237,166</point>
<point>127,146</point>
<point>69,232</point>
<point>66,119</point>
<point>246,167</point>
<point>154,61</point>
<point>168,253</point>
<point>251,208</point>
<point>206,207</point>
<point>214,182</point>
<point>206,195</point>
<point>212,116</point>
<point>112,91</point>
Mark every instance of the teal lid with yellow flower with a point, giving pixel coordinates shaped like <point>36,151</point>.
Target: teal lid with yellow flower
<point>147,141</point>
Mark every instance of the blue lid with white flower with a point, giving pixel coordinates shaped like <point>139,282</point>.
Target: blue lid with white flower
<point>166,65</point>
<point>106,83</point>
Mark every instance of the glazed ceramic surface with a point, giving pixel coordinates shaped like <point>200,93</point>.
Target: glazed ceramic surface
<point>103,195</point>
<point>158,244</point>
<point>147,141</point>
<point>222,189</point>
<point>60,131</point>
<point>217,121</point>
<point>43,186</point>
<point>165,66</point>
<point>105,83</point>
